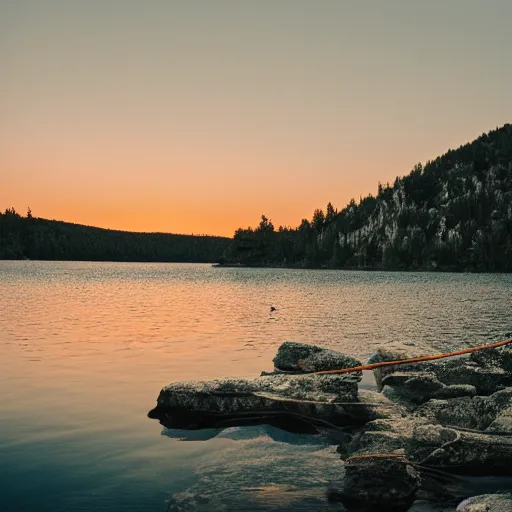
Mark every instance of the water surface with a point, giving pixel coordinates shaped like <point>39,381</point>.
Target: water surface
<point>86,347</point>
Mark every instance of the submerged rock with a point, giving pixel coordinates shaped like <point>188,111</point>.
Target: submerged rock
<point>487,503</point>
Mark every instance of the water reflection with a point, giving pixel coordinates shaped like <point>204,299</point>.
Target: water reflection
<point>264,470</point>
<point>290,436</point>
<point>86,347</point>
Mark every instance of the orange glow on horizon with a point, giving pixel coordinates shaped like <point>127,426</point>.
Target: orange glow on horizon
<point>185,120</point>
<point>208,198</point>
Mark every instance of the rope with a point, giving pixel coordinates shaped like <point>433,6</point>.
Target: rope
<point>497,433</point>
<point>413,359</point>
<point>441,448</point>
<point>270,396</point>
<point>376,456</point>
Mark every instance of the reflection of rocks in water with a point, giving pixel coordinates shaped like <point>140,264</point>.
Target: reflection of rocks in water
<point>261,474</point>
<point>191,435</point>
<point>255,432</point>
<point>176,420</point>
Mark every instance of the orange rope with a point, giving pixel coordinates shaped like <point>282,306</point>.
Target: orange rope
<point>414,359</point>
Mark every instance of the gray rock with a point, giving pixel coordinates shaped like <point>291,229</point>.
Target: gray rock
<point>502,423</point>
<point>485,380</point>
<point>331,398</point>
<point>488,370</point>
<point>371,406</point>
<point>384,436</point>
<point>427,418</point>
<point>418,384</point>
<point>300,357</point>
<point>455,391</point>
<point>416,388</point>
<point>388,434</point>
<point>487,503</point>
<point>395,395</point>
<point>389,353</point>
<point>494,358</point>
<point>476,453</point>
<point>384,484</point>
<point>477,412</point>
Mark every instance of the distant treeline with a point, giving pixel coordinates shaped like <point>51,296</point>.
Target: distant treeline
<point>41,239</point>
<point>454,213</point>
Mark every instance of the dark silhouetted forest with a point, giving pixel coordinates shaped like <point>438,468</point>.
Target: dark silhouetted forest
<point>453,213</point>
<point>42,239</point>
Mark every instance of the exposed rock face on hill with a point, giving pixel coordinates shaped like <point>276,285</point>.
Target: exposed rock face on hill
<point>455,213</point>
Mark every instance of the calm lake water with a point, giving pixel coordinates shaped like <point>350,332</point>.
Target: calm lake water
<point>86,347</point>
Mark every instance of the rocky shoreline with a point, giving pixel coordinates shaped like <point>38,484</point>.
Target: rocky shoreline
<point>426,427</point>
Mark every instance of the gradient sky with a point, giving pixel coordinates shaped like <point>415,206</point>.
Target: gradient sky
<point>199,116</point>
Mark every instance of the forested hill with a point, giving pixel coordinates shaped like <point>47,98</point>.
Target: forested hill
<point>454,213</point>
<point>42,239</point>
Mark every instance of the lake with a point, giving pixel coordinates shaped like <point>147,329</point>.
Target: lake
<point>86,347</point>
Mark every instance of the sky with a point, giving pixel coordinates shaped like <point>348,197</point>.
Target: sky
<point>200,116</point>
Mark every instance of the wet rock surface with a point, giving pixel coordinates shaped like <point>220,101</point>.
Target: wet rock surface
<point>429,428</point>
<point>487,503</point>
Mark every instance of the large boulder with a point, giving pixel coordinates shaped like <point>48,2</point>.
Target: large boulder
<point>300,357</point>
<point>318,398</point>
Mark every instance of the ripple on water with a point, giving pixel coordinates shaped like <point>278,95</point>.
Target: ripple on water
<point>86,347</point>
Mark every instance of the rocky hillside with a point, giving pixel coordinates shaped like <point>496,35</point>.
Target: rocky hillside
<point>453,213</point>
